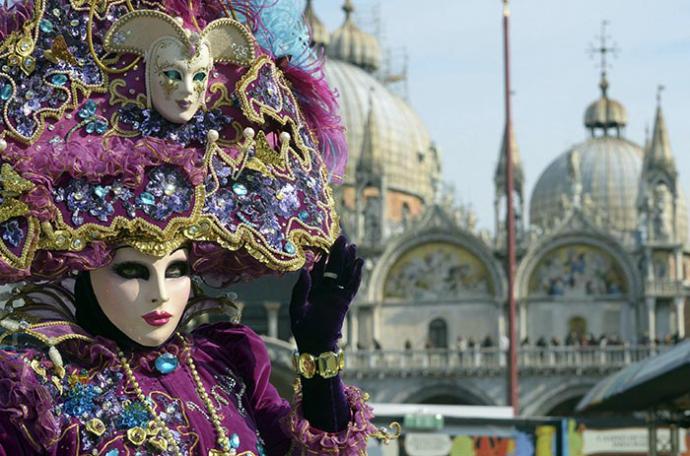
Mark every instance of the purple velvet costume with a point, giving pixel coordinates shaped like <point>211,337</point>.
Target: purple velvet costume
<point>42,414</point>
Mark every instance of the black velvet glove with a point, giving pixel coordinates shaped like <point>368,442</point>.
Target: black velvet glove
<point>317,312</point>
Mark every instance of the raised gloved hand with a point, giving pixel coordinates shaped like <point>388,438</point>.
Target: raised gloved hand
<point>320,298</point>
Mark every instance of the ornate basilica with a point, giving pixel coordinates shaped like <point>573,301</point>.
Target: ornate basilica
<point>603,251</point>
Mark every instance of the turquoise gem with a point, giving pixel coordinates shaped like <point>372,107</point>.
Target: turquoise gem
<point>59,79</point>
<point>260,449</point>
<point>235,441</point>
<point>303,215</point>
<point>101,127</point>
<point>113,452</point>
<point>6,92</point>
<point>239,189</point>
<point>46,26</point>
<point>88,110</point>
<point>166,363</point>
<point>290,248</point>
<point>100,191</point>
<point>147,199</point>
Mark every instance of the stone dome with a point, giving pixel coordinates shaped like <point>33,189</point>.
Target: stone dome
<point>404,149</point>
<point>350,44</point>
<point>610,170</point>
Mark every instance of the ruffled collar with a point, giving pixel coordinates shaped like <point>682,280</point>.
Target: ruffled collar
<point>74,342</point>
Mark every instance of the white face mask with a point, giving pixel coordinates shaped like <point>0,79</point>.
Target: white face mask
<point>142,295</point>
<point>178,82</point>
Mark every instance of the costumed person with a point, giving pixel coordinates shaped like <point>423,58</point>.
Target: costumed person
<point>150,148</point>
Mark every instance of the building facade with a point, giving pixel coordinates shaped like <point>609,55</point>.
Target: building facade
<point>603,274</point>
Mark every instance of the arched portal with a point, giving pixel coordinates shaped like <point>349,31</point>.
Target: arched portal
<point>575,286</point>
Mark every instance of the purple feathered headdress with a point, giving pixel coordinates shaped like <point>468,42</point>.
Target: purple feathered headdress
<point>160,124</point>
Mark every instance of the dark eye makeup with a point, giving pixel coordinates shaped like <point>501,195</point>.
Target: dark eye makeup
<point>132,270</point>
<point>177,269</point>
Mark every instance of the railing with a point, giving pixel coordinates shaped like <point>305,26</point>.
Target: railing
<point>664,288</point>
<point>442,361</point>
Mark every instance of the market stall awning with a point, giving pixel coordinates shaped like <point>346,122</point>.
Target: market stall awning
<point>658,382</point>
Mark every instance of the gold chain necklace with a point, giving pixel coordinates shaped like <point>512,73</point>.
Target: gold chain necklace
<point>222,440</point>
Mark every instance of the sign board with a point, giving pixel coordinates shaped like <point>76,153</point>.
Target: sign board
<point>418,444</point>
<point>625,441</point>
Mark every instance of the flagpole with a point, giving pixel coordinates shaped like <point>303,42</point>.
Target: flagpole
<point>512,390</point>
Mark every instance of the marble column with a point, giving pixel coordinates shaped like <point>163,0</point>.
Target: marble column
<point>501,329</point>
<point>354,327</point>
<point>522,317</point>
<point>272,309</point>
<point>376,317</point>
<point>679,302</point>
<point>679,264</point>
<point>650,305</point>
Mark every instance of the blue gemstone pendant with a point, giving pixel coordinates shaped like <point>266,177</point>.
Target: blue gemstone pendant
<point>166,363</point>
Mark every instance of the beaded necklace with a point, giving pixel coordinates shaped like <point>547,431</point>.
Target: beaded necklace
<point>227,446</point>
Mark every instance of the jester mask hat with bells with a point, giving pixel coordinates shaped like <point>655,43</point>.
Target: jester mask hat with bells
<point>157,124</point>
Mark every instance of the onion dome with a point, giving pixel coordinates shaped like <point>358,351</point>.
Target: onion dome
<point>350,44</point>
<point>318,32</point>
<point>605,113</point>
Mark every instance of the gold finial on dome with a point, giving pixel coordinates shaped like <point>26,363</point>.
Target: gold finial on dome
<point>605,113</point>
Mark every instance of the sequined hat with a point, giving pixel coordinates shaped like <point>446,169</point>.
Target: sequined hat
<point>158,124</point>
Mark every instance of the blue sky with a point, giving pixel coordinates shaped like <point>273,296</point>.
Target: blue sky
<point>456,83</point>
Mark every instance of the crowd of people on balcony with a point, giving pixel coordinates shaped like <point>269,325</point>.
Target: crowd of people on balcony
<point>572,340</point>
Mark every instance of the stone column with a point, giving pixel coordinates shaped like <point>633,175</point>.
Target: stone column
<point>501,321</point>
<point>272,309</point>
<point>376,317</point>
<point>522,316</point>
<point>354,328</point>
<point>650,304</point>
<point>679,301</point>
<point>679,264</point>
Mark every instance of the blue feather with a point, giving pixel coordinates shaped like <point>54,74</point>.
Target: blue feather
<point>284,32</point>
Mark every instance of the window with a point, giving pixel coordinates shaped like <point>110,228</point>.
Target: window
<point>438,333</point>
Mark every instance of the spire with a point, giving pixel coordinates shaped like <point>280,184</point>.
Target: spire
<point>659,154</point>
<point>318,32</point>
<point>369,166</point>
<point>500,174</point>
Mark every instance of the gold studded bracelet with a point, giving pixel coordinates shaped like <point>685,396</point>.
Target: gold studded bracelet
<point>327,364</point>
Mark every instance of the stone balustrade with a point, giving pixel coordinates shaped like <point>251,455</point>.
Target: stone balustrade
<point>493,361</point>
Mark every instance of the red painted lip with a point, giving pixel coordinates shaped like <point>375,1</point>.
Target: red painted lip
<point>156,318</point>
<point>184,104</point>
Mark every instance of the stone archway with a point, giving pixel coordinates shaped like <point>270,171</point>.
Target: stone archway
<point>562,399</point>
<point>577,283</point>
<point>445,393</point>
